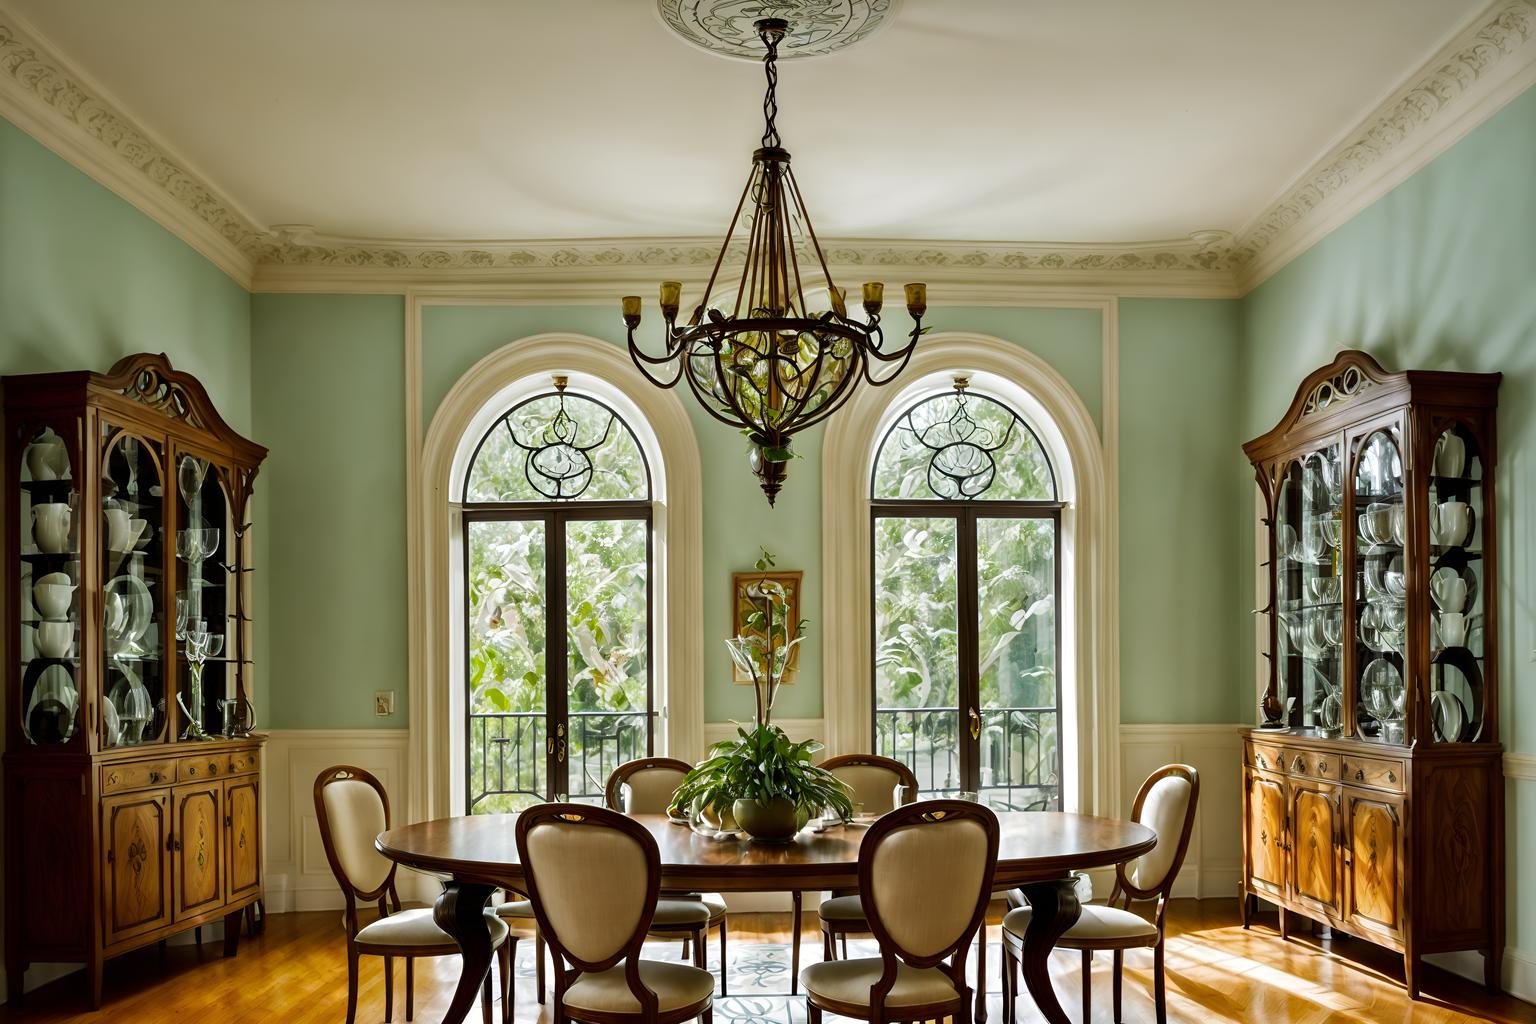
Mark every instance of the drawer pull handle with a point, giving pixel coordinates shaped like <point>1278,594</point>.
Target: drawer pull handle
<point>1322,767</point>
<point>1260,758</point>
<point>1298,765</point>
<point>1359,774</point>
<point>1391,775</point>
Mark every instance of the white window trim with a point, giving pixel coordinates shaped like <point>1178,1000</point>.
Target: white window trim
<point>665,433</point>
<point>1091,710</point>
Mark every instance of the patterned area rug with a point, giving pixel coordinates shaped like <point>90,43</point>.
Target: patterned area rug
<point>759,976</point>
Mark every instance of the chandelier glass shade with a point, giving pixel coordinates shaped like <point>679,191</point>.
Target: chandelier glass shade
<point>771,368</point>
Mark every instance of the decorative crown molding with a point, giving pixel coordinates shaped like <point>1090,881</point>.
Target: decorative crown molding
<point>1483,67</point>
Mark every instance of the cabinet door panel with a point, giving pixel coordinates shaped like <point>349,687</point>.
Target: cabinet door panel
<point>1314,839</point>
<point>1375,852</point>
<point>197,863</point>
<point>242,808</point>
<point>137,866</point>
<point>1266,833</point>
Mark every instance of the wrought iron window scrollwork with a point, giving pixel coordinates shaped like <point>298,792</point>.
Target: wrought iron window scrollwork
<point>962,436</point>
<point>566,443</point>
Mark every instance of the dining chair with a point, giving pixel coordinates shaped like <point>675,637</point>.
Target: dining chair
<point>1166,803</point>
<point>352,808</point>
<point>872,781</point>
<point>646,786</point>
<point>593,877</point>
<point>925,872</point>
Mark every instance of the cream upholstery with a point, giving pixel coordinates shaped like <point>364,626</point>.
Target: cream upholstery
<point>849,981</point>
<point>675,913</point>
<point>842,908</point>
<point>518,916</point>
<point>872,786</point>
<point>925,882</point>
<point>356,817</point>
<point>1163,811</point>
<point>1097,924</point>
<point>416,928</point>
<point>675,985</point>
<point>591,883</point>
<point>650,790</point>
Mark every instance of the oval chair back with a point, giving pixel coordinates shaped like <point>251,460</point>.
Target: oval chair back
<point>351,809</point>
<point>1166,803</point>
<point>872,780</point>
<point>925,875</point>
<point>644,785</point>
<point>592,877</point>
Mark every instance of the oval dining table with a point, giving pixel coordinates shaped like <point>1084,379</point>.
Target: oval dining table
<point>1037,852</point>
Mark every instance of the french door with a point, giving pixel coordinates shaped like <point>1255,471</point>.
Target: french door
<point>966,639</point>
<point>558,653</point>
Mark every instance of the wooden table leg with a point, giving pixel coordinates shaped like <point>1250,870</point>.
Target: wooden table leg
<point>1054,909</point>
<point>981,972</point>
<point>794,942</point>
<point>460,911</point>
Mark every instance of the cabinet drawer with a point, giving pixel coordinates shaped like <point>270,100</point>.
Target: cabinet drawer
<point>1312,764</point>
<point>1372,771</point>
<point>1264,756</point>
<point>207,766</point>
<point>242,762</point>
<point>130,775</point>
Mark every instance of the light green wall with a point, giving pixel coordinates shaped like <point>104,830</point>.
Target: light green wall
<point>86,279</point>
<point>1181,512</point>
<point>1439,274</point>
<point>328,373</point>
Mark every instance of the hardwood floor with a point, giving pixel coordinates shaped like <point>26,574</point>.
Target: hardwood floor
<point>296,972</point>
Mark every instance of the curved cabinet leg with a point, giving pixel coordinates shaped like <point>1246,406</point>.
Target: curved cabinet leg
<point>459,911</point>
<point>1055,909</point>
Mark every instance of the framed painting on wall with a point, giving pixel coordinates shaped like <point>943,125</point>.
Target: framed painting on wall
<point>742,608</point>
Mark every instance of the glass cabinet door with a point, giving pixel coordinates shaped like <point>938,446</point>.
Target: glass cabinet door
<point>1381,591</point>
<point>1309,517</point>
<point>133,588</point>
<point>205,598</point>
<point>1456,648</point>
<point>49,598</point>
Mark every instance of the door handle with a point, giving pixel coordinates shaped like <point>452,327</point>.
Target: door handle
<point>975,724</point>
<point>560,743</point>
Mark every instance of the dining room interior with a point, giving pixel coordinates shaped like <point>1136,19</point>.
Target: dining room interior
<point>489,536</point>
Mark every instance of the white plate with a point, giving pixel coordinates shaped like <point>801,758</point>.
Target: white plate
<point>138,604</point>
<point>1448,716</point>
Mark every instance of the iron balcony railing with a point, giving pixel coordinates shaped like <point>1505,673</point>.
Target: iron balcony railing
<point>508,753</point>
<point>1020,753</point>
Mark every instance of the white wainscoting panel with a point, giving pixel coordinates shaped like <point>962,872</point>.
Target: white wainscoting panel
<point>1213,865</point>
<point>298,875</point>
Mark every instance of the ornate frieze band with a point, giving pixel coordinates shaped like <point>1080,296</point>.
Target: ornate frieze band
<point>40,93</point>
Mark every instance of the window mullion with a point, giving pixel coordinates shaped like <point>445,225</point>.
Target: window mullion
<point>557,694</point>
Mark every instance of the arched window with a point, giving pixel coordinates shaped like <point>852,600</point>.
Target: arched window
<point>965,579</point>
<point>558,605</point>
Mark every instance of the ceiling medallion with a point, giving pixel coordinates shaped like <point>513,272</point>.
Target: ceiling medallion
<point>772,368</point>
<point>819,27</point>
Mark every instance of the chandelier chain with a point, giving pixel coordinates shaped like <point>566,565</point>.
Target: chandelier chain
<point>771,39</point>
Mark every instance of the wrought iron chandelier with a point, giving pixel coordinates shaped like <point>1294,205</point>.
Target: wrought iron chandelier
<point>771,368</point>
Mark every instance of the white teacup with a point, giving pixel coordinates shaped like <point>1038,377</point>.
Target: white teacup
<point>1377,523</point>
<point>119,537</point>
<point>52,598</point>
<point>1453,629</point>
<point>1450,455</point>
<point>1449,590</point>
<point>46,457</point>
<point>1455,522</point>
<point>50,526</point>
<point>139,530</point>
<point>55,639</point>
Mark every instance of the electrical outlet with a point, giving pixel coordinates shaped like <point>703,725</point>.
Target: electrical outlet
<point>384,703</point>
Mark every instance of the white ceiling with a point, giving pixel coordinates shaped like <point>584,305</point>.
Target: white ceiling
<point>1010,120</point>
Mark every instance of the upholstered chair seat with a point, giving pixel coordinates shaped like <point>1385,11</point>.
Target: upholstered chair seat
<point>1166,803</point>
<point>592,876</point>
<point>925,875</point>
<point>351,809</point>
<point>647,785</point>
<point>849,981</point>
<point>518,916</point>
<point>676,986</point>
<point>416,928</point>
<point>877,784</point>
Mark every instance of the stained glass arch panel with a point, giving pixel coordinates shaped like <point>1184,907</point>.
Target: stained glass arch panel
<point>558,446</point>
<point>961,445</point>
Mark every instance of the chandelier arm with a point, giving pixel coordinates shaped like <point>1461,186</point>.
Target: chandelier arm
<point>642,361</point>
<point>730,229</point>
<point>793,260</point>
<point>901,358</point>
<point>810,230</point>
<point>748,289</point>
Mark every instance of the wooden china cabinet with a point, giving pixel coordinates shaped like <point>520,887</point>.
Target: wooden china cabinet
<point>1374,793</point>
<point>132,779</point>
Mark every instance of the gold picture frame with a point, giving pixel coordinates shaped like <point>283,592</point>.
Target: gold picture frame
<point>741,607</point>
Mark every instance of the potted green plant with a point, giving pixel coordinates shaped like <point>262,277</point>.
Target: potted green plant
<point>762,779</point>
